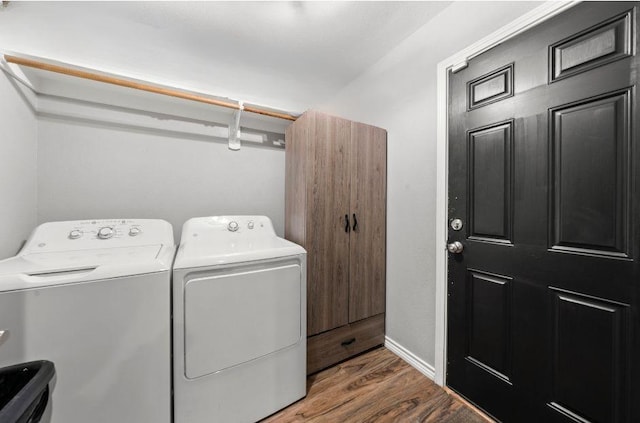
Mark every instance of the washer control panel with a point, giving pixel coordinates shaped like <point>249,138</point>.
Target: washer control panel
<point>105,229</point>
<point>102,233</point>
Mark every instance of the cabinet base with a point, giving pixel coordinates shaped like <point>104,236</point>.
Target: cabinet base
<point>331,347</point>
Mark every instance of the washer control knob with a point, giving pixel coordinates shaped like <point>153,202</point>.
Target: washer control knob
<point>233,226</point>
<point>75,234</point>
<point>105,232</point>
<point>250,224</point>
<point>135,231</point>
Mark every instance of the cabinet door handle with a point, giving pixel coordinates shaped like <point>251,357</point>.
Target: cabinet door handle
<point>355,222</point>
<point>346,223</point>
<point>348,342</point>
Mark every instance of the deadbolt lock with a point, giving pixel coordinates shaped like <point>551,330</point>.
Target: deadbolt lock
<point>456,224</point>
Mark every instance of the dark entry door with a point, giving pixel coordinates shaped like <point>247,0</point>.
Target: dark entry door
<point>544,161</point>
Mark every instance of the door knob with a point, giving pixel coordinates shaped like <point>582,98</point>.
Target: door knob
<point>455,247</point>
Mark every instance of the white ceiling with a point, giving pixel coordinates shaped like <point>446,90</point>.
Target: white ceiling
<point>288,55</point>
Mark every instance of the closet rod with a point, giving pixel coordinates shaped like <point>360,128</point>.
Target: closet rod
<point>144,87</point>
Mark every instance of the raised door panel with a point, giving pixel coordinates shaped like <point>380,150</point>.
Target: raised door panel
<point>489,323</point>
<point>490,88</point>
<point>591,176</point>
<point>589,358</point>
<point>591,48</point>
<point>326,240</point>
<point>490,183</point>
<point>368,220</point>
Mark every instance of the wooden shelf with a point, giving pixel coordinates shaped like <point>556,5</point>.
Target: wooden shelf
<point>56,90</point>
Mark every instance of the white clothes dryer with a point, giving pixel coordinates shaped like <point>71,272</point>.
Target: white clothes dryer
<point>93,297</point>
<point>239,323</point>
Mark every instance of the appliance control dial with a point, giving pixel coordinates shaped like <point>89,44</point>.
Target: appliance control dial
<point>105,232</point>
<point>250,224</point>
<point>233,226</point>
<point>75,234</point>
<point>135,231</point>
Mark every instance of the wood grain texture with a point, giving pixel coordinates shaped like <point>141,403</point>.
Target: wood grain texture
<point>327,243</point>
<point>327,348</point>
<point>335,171</point>
<point>375,387</point>
<point>368,203</point>
<point>295,196</point>
<point>127,83</point>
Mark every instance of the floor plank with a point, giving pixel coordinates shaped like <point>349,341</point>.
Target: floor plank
<point>375,387</point>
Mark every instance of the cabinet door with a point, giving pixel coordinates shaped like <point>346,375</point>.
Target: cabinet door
<point>368,237</point>
<point>327,241</point>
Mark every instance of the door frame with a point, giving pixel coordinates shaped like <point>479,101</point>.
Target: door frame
<point>456,62</point>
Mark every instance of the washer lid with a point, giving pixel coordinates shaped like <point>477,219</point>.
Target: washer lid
<point>217,240</point>
<point>55,268</point>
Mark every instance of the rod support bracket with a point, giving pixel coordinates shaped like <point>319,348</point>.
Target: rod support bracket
<point>234,128</point>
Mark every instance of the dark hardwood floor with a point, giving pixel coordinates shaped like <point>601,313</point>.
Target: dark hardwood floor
<point>377,386</point>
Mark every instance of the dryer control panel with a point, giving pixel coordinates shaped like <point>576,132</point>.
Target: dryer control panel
<point>98,233</point>
<point>239,226</point>
<point>217,240</point>
<point>257,224</point>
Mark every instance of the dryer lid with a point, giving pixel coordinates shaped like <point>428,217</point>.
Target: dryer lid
<point>217,240</point>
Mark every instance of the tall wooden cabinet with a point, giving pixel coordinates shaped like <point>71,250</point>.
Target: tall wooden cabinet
<point>335,199</point>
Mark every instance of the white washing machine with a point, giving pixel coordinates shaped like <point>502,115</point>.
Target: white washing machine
<point>239,321</point>
<point>93,297</point>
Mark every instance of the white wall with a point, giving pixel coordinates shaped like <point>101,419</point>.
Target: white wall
<point>100,170</point>
<point>399,94</point>
<point>18,167</point>
<point>276,53</point>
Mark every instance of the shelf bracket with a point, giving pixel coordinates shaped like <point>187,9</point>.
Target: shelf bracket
<point>234,128</point>
<point>15,74</point>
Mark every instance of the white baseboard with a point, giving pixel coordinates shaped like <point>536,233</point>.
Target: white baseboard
<point>422,366</point>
